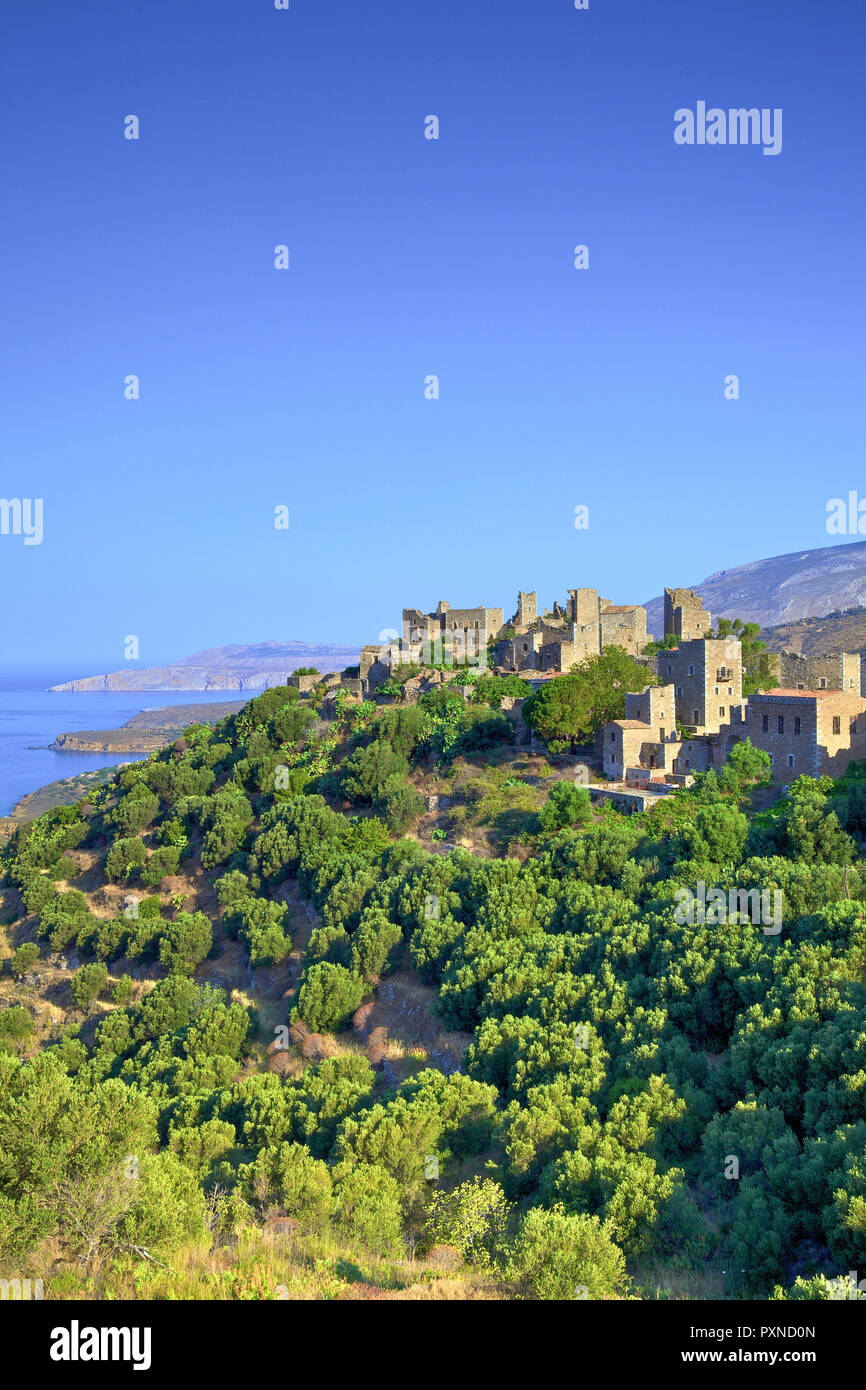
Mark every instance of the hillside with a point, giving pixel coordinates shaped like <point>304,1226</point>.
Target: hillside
<point>245,668</point>
<point>837,632</point>
<point>786,588</point>
<point>380,1007</point>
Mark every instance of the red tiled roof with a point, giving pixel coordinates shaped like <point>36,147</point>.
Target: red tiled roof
<point>801,694</point>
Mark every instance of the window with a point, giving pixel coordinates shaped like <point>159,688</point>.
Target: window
<point>697,714</point>
<point>853,726</point>
<point>822,684</point>
<point>765,723</point>
<point>679,690</point>
<point>800,685</point>
<point>797,723</point>
<point>612,737</point>
<point>730,690</point>
<point>638,715</point>
<point>721,711</point>
<point>691,670</point>
<point>781,724</point>
<point>688,762</point>
<point>670,670</point>
<point>837,724</point>
<point>716,691</point>
<point>790,759</point>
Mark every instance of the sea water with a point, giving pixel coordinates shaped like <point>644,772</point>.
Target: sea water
<point>31,717</point>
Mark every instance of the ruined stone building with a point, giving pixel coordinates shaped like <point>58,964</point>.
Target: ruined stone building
<point>565,635</point>
<point>646,738</point>
<point>812,731</point>
<point>455,634</point>
<point>685,616</point>
<point>839,671</point>
<point>813,721</point>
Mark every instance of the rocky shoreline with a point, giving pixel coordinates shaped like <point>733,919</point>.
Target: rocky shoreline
<point>146,731</point>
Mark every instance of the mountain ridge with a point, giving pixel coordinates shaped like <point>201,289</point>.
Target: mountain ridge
<point>782,588</point>
<point>235,667</point>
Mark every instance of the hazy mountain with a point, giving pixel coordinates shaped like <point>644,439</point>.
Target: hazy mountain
<point>804,584</point>
<point>224,668</point>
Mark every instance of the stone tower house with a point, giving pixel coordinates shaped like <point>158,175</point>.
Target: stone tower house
<point>527,609</point>
<point>685,616</point>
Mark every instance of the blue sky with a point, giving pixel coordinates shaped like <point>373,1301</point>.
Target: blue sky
<point>411,257</point>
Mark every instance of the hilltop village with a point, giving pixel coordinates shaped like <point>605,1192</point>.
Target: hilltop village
<point>687,718</point>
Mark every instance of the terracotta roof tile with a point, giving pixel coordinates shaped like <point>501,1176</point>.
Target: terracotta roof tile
<point>801,694</point>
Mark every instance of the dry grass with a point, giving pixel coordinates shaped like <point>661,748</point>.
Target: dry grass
<point>258,1267</point>
<point>700,1284</point>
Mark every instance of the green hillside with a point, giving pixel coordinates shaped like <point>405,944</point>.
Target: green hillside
<point>382,1008</point>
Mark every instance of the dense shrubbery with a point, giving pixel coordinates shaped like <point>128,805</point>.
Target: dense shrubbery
<point>620,1055</point>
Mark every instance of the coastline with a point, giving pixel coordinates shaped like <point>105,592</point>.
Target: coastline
<point>49,742</point>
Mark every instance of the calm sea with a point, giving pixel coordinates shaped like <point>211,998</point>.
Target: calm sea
<point>31,718</point>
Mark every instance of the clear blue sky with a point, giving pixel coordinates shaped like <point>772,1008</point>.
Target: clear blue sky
<point>411,257</point>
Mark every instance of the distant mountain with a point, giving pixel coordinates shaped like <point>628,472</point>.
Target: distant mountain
<point>804,584</point>
<point>224,668</point>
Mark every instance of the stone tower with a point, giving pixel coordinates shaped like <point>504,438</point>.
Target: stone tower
<point>685,616</point>
<point>583,607</point>
<point>527,608</point>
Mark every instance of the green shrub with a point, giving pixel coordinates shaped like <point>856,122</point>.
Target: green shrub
<point>185,942</point>
<point>328,996</point>
<point>163,863</point>
<point>567,804</point>
<point>15,1028</point>
<point>123,991</point>
<point>124,857</point>
<point>472,1217</point>
<point>87,984</point>
<point>24,959</point>
<point>566,1257</point>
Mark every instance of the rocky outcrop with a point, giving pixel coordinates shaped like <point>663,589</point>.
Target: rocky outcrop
<point>108,741</point>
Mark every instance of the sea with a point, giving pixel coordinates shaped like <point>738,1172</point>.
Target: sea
<point>31,717</point>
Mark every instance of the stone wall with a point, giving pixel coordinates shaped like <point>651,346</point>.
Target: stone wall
<point>840,671</point>
<point>811,732</point>
<point>708,676</point>
<point>624,626</point>
<point>685,615</point>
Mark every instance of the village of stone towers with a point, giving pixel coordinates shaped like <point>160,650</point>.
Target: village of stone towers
<point>685,720</point>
